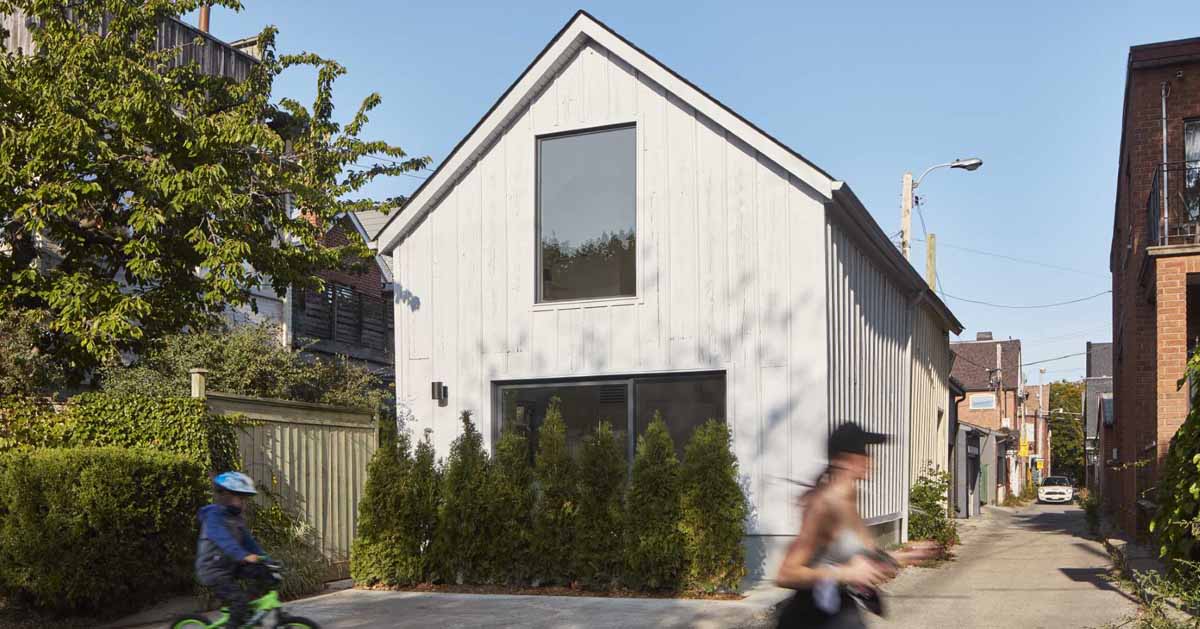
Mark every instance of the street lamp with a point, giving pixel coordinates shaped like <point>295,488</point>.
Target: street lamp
<point>906,205</point>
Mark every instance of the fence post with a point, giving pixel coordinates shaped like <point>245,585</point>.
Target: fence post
<point>199,379</point>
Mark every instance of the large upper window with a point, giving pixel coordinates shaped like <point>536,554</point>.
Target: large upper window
<point>629,404</point>
<point>1191,169</point>
<point>587,239</point>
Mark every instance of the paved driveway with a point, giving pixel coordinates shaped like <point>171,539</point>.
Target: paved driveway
<point>1026,568</point>
<point>363,608</point>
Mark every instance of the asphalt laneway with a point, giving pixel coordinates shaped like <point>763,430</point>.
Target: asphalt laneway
<point>1030,567</point>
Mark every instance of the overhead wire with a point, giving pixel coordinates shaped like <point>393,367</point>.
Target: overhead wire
<point>1016,259</point>
<point>1028,307</point>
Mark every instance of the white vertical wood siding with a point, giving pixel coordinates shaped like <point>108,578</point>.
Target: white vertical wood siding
<point>868,375</point>
<point>929,437</point>
<point>730,277</point>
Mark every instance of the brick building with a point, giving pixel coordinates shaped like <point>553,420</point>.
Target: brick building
<point>990,374</point>
<point>1155,265</point>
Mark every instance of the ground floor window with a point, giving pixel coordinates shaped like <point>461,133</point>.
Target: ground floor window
<point>629,403</point>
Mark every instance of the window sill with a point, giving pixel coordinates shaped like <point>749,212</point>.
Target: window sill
<point>575,304</point>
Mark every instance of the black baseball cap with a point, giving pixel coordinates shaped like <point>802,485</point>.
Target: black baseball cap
<point>851,438</point>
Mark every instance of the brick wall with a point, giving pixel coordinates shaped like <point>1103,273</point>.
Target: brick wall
<point>989,418</point>
<point>1149,293</point>
<point>370,280</point>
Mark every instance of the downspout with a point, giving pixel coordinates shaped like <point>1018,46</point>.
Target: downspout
<point>1166,198</point>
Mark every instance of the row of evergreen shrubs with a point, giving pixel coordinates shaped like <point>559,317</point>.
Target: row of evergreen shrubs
<point>585,521</point>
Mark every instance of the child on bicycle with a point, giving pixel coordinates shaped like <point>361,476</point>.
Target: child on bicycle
<point>226,552</point>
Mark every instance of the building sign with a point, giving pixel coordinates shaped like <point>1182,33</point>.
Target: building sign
<point>1041,464</point>
<point>1024,448</point>
<point>972,450</point>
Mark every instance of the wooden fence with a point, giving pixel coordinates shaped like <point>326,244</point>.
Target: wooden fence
<point>312,456</point>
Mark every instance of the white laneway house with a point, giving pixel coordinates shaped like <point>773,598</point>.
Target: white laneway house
<point>612,235</point>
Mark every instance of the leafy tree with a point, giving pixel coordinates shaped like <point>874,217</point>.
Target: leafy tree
<point>714,510</point>
<point>166,194</point>
<point>654,543</point>
<point>27,363</point>
<point>246,360</point>
<point>1066,441</point>
<point>557,502</point>
<point>465,534</point>
<point>598,529</point>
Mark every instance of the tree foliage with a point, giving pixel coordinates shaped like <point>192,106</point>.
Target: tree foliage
<point>512,508</point>
<point>1066,441</point>
<point>140,196</point>
<point>1176,524</point>
<point>245,360</point>
<point>28,366</point>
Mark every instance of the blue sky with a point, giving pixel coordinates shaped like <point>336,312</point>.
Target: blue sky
<point>866,90</point>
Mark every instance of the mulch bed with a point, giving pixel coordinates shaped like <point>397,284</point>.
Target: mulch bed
<point>553,591</point>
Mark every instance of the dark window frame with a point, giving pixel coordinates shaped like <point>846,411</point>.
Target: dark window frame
<point>629,380</point>
<point>538,279</point>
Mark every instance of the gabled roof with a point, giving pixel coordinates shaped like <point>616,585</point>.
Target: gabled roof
<point>582,28</point>
<point>975,360</point>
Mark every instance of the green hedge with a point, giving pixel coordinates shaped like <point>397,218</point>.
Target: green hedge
<point>27,422</point>
<point>568,519</point>
<point>175,424</point>
<point>97,530</point>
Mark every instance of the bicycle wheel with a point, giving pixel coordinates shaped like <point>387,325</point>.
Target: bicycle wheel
<point>298,622</point>
<point>190,621</point>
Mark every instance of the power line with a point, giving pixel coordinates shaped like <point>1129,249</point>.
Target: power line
<point>1010,306</point>
<point>1021,260</point>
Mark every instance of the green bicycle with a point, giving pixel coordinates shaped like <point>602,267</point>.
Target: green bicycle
<point>263,608</point>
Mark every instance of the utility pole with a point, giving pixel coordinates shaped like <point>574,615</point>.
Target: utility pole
<point>931,261</point>
<point>906,203</point>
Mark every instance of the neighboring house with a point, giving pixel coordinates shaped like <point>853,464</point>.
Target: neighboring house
<point>1155,265</point>
<point>1033,418</point>
<point>612,236</point>
<point>1097,387</point>
<point>977,461</point>
<point>990,374</point>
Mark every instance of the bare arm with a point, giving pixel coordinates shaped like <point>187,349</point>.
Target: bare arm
<point>794,571</point>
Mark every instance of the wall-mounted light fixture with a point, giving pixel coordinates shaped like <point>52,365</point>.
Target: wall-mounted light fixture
<point>440,392</point>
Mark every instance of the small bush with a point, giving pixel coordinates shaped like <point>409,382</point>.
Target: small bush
<point>928,518</point>
<point>512,509</point>
<point>292,541</point>
<point>175,424</point>
<point>1090,502</point>
<point>598,530</point>
<point>557,501</point>
<point>97,530</point>
<point>714,510</point>
<point>654,544</point>
<point>462,545</point>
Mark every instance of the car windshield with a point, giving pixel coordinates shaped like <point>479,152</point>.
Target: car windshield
<point>1056,481</point>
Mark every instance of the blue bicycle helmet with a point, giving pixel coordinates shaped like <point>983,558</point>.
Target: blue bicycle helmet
<point>235,483</point>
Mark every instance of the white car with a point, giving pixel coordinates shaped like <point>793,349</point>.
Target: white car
<point>1056,489</point>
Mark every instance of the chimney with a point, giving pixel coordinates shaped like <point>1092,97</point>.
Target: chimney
<point>983,336</point>
<point>204,11</point>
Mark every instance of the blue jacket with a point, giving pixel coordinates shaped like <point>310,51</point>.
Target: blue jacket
<point>225,541</point>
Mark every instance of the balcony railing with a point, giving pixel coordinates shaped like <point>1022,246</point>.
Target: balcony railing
<point>1174,218</point>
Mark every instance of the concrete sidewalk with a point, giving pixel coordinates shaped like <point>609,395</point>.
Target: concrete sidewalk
<point>1028,567</point>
